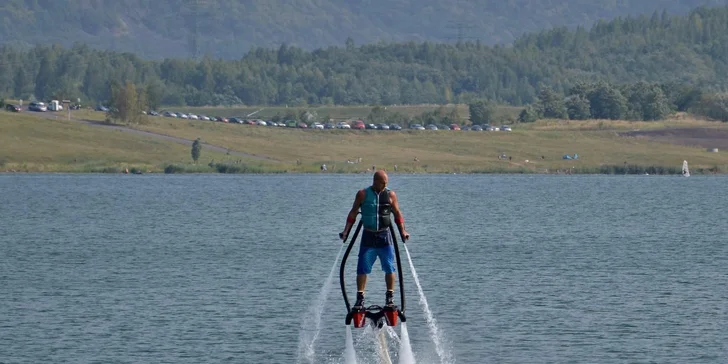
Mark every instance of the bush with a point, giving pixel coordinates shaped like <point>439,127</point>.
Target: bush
<point>236,168</point>
<point>174,168</point>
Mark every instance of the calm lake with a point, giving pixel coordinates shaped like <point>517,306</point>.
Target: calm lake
<point>228,268</point>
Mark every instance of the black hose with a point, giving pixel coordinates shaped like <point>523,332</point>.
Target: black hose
<point>399,264</point>
<point>343,263</point>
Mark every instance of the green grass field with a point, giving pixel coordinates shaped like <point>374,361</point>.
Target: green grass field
<point>52,145</point>
<point>34,144</point>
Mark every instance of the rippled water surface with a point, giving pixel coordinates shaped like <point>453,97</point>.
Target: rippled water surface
<point>213,268</point>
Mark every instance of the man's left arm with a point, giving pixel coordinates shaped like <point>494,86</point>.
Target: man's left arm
<point>398,218</point>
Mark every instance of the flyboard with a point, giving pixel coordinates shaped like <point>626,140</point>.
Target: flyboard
<point>377,315</point>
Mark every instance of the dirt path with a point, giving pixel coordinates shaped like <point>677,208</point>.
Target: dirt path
<point>689,136</point>
<point>217,148</point>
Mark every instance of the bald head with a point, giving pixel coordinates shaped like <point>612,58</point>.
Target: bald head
<point>380,180</point>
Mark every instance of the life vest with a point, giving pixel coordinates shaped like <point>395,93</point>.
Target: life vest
<point>376,209</point>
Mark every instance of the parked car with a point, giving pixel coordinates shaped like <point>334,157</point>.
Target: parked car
<point>343,125</point>
<point>101,108</point>
<point>262,123</point>
<point>383,126</point>
<point>13,108</point>
<point>359,125</point>
<point>370,126</point>
<point>431,127</point>
<point>37,106</point>
<point>302,125</point>
<point>476,128</point>
<point>329,126</point>
<point>417,127</point>
<point>291,123</point>
<point>505,128</point>
<point>395,127</point>
<point>317,125</point>
<point>454,127</point>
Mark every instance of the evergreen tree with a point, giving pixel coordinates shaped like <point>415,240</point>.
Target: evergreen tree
<point>196,150</point>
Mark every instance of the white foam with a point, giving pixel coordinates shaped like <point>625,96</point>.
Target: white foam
<point>435,333</point>
<point>307,340</point>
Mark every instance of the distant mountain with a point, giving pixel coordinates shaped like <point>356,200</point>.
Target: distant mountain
<point>228,28</point>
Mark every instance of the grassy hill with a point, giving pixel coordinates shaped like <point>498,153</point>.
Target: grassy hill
<point>40,144</point>
<point>35,144</point>
<point>228,29</point>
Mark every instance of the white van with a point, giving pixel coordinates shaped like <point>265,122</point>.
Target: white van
<point>55,106</point>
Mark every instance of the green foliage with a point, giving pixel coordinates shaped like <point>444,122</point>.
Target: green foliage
<point>224,28</point>
<point>646,101</point>
<point>196,150</point>
<point>482,112</point>
<point>578,107</point>
<point>550,104</point>
<point>606,102</point>
<point>127,104</point>
<point>236,168</point>
<point>529,114</point>
<point>714,106</point>
<point>378,114</point>
<point>689,51</point>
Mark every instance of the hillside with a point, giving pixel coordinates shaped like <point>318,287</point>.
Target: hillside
<point>49,144</point>
<point>228,29</point>
<point>681,51</point>
<point>34,143</point>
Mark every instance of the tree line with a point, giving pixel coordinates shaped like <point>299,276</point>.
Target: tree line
<point>687,51</point>
<point>227,29</point>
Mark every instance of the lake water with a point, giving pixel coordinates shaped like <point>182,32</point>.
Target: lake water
<point>227,268</point>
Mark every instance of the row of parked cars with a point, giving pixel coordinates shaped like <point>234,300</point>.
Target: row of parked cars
<point>33,106</point>
<point>357,124</point>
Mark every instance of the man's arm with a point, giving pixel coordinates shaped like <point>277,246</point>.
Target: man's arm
<point>398,218</point>
<point>351,217</point>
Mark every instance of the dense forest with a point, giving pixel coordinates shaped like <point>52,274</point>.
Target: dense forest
<point>690,50</point>
<point>227,29</point>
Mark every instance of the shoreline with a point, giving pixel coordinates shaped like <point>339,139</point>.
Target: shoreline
<point>587,171</point>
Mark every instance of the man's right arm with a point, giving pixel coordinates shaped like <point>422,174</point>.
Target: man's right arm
<point>351,217</point>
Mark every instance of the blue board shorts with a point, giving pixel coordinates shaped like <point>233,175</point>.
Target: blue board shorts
<point>375,245</point>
